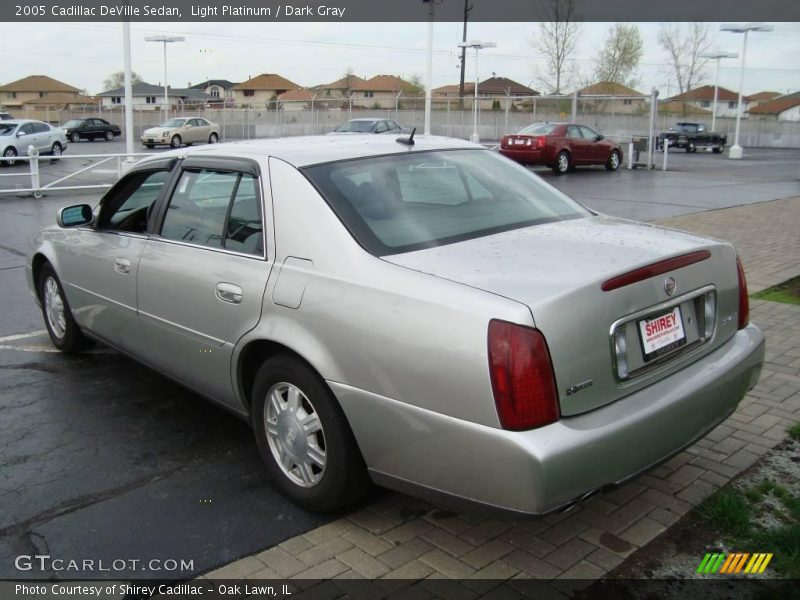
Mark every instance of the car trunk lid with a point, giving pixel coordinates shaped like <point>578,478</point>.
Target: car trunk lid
<point>559,269</point>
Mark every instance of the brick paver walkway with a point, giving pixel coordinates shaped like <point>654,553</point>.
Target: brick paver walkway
<point>402,537</point>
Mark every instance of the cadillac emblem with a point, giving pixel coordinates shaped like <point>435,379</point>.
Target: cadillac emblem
<point>669,286</point>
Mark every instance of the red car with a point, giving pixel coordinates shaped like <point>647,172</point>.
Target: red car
<point>561,146</point>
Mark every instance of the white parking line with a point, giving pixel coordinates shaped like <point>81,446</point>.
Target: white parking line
<point>21,336</point>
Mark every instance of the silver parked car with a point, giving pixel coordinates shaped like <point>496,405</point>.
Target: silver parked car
<point>18,135</point>
<point>181,130</point>
<point>429,316</point>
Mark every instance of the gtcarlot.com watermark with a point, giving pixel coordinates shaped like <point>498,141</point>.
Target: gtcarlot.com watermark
<point>45,562</point>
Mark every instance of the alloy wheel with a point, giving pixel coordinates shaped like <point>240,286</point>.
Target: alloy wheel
<point>54,308</point>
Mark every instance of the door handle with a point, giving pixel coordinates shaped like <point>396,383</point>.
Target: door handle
<point>122,265</point>
<point>228,292</point>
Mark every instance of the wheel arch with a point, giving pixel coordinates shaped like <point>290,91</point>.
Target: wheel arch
<point>37,262</point>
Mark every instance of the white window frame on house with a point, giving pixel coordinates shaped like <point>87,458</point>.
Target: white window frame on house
<point>150,99</point>
<point>369,94</point>
<point>705,103</point>
<point>627,101</point>
<point>214,93</point>
<point>732,104</point>
<point>116,100</point>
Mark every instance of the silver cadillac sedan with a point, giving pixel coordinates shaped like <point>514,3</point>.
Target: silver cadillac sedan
<point>420,313</point>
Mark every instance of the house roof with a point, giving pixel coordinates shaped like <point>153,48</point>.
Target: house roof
<point>450,89</point>
<point>38,83</point>
<point>706,92</point>
<point>61,98</point>
<point>148,89</point>
<point>503,85</point>
<point>266,81</point>
<point>297,95</point>
<point>776,106</point>
<point>608,88</point>
<point>761,96</point>
<point>223,83</point>
<point>385,83</point>
<point>681,108</point>
<point>346,82</point>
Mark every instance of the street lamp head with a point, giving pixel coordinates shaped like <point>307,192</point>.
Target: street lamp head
<point>719,54</point>
<point>745,27</point>
<point>164,38</point>
<point>478,45</point>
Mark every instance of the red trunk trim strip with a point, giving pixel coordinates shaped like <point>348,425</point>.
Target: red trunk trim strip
<point>655,269</point>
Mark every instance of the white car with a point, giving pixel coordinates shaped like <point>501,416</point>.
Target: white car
<point>18,135</point>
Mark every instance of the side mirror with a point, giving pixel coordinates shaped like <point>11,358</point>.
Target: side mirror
<point>75,216</point>
<point>21,133</point>
<point>599,137</point>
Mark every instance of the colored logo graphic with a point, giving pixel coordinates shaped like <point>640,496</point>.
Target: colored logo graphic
<point>734,563</point>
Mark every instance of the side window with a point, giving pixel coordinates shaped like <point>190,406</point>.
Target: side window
<point>194,122</point>
<point>41,127</point>
<point>589,134</point>
<point>244,231</point>
<point>381,127</point>
<point>574,132</point>
<point>199,206</point>
<point>27,128</point>
<point>125,207</point>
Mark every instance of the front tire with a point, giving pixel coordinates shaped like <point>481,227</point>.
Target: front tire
<point>614,161</point>
<point>62,328</point>
<point>175,142</point>
<point>109,136</point>
<point>213,138</point>
<point>74,137</point>
<point>717,149</point>
<point>10,152</point>
<point>304,438</point>
<point>562,163</point>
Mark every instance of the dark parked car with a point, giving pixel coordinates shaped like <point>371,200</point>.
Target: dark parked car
<point>369,125</point>
<point>561,146</point>
<point>691,136</point>
<point>4,116</point>
<point>90,129</point>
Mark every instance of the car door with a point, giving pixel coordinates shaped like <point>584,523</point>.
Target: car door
<point>98,265</point>
<point>45,136</point>
<point>25,137</point>
<point>597,150</point>
<point>579,146</point>
<point>203,272</point>
<point>203,130</point>
<point>193,131</point>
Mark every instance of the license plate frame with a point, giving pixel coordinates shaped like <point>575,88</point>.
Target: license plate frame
<point>661,334</point>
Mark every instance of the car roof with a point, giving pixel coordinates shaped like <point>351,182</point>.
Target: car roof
<point>304,151</point>
<point>368,119</point>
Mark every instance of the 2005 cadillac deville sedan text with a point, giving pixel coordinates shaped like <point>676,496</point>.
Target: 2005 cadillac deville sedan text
<point>429,316</point>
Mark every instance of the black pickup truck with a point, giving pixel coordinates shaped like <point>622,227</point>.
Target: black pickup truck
<point>692,136</point>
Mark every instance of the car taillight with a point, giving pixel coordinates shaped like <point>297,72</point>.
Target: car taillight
<point>522,376</point>
<point>541,141</point>
<point>744,302</point>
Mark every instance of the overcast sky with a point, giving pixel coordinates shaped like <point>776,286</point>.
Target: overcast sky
<point>84,54</point>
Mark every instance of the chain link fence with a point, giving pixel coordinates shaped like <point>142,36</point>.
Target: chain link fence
<point>617,117</point>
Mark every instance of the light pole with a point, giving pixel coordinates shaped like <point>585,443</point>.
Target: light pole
<point>736,150</point>
<point>429,66</point>
<point>165,39</point>
<point>718,55</point>
<point>475,138</point>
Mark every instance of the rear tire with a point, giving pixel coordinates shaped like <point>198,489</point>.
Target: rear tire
<point>56,151</point>
<point>562,163</point>
<point>717,149</point>
<point>61,326</point>
<point>304,437</point>
<point>614,161</point>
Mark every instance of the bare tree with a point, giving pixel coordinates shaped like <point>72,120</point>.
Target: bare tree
<point>348,81</point>
<point>117,80</point>
<point>556,41</point>
<point>619,57</point>
<point>685,45</point>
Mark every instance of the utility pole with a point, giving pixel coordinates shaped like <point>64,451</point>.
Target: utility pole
<point>467,9</point>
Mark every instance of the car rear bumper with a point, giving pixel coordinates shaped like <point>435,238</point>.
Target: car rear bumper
<point>534,472</point>
<point>526,157</point>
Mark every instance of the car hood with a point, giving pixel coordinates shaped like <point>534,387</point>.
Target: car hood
<point>557,270</point>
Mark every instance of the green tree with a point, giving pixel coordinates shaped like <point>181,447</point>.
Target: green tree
<point>117,80</point>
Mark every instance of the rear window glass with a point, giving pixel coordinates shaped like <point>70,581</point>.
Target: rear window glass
<point>406,202</point>
<point>538,129</point>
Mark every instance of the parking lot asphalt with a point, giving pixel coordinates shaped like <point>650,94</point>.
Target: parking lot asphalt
<point>103,458</point>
